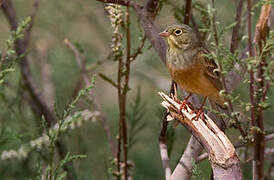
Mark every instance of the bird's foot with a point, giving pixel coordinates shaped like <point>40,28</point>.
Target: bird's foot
<point>183,105</point>
<point>199,114</point>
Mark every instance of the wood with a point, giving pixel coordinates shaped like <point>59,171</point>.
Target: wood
<point>222,155</point>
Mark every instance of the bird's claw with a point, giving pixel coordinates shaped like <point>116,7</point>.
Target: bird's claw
<point>183,105</point>
<point>199,114</point>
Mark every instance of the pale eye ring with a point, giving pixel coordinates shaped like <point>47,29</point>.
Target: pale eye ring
<point>178,32</point>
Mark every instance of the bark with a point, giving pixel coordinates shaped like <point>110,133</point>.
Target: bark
<point>222,155</point>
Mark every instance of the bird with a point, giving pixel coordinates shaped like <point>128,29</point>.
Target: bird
<point>190,67</point>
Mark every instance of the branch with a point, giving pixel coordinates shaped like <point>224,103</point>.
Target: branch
<point>269,137</point>
<point>151,32</point>
<point>121,2</point>
<point>163,148</point>
<point>20,49</point>
<point>236,29</point>
<point>205,155</point>
<point>261,31</point>
<point>187,11</point>
<point>223,158</point>
<point>42,47</point>
<point>103,120</point>
<point>183,170</point>
<point>151,6</point>
<point>33,15</point>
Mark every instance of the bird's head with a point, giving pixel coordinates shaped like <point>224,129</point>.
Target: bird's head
<point>180,37</point>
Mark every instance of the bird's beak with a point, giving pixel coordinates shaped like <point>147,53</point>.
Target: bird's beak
<point>164,34</point>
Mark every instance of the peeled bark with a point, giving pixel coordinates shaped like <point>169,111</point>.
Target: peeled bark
<point>222,154</point>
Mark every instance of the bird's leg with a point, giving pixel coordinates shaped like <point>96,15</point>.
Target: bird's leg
<point>184,103</point>
<point>200,112</point>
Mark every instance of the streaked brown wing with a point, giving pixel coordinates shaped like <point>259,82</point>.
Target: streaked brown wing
<point>211,70</point>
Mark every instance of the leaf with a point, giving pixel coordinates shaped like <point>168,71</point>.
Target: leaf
<point>107,79</point>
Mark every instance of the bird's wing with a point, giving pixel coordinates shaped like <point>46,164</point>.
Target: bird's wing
<point>211,69</point>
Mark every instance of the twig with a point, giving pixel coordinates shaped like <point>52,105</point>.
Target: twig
<point>163,148</point>
<point>33,15</point>
<point>236,29</point>
<point>119,89</point>
<point>121,2</point>
<point>151,6</point>
<point>187,11</point>
<point>162,138</point>
<point>124,93</point>
<point>269,137</point>
<point>46,73</point>
<point>139,49</point>
<point>237,124</point>
<point>259,148</point>
<point>97,107</point>
<point>214,24</point>
<point>251,87</point>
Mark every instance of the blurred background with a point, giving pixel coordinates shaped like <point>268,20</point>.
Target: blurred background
<point>86,24</point>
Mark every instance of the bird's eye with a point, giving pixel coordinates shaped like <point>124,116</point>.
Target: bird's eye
<point>178,32</point>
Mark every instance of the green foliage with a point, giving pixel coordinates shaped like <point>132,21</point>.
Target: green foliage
<point>9,49</point>
<point>195,170</point>
<point>54,134</point>
<point>15,35</point>
<point>68,158</point>
<point>135,114</point>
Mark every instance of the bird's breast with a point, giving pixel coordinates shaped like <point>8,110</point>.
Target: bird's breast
<point>192,79</point>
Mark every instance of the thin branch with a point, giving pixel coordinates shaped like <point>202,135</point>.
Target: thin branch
<point>260,38</point>
<point>237,124</point>
<point>124,93</point>
<point>163,148</point>
<point>103,120</point>
<point>214,24</point>
<point>120,2</point>
<point>46,72</point>
<point>151,32</point>
<point>139,49</point>
<point>187,11</point>
<point>151,6</point>
<point>119,91</point>
<point>33,15</point>
<point>162,138</point>
<point>269,137</point>
<point>236,29</point>
<point>251,87</point>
